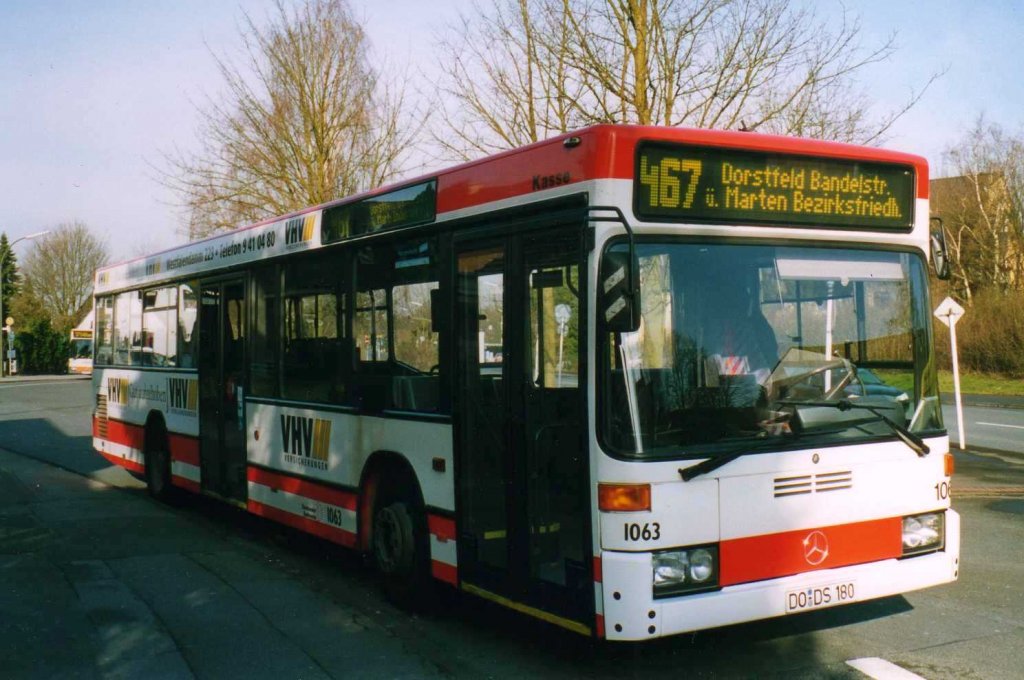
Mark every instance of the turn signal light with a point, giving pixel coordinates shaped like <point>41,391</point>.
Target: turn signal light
<point>949,465</point>
<point>624,497</point>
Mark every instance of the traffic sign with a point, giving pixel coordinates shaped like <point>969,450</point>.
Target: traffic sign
<point>949,312</point>
<point>10,321</point>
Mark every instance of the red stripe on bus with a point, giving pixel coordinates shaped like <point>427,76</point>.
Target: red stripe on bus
<point>598,577</point>
<point>442,527</point>
<point>443,571</point>
<point>123,462</point>
<point>186,484</point>
<point>345,538</point>
<point>126,434</point>
<point>301,487</point>
<point>758,558</point>
<point>184,449</point>
<point>599,624</point>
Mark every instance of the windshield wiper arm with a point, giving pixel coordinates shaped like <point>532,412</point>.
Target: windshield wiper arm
<point>905,435</point>
<point>725,458</point>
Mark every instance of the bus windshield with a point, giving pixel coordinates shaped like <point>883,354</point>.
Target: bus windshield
<point>748,344</point>
<point>81,348</point>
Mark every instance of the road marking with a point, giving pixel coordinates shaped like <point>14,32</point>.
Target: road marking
<point>880,669</point>
<point>1016,427</point>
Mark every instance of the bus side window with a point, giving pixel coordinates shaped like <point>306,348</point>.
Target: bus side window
<point>159,327</point>
<point>122,332</point>
<point>416,381</point>
<point>312,343</point>
<point>105,330</point>
<point>266,332</point>
<point>187,317</point>
<point>396,344</point>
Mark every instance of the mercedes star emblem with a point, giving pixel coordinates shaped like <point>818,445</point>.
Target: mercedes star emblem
<point>815,548</point>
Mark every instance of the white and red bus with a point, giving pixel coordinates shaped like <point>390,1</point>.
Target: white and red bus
<point>608,380</point>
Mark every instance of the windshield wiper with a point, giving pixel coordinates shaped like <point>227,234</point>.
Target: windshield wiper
<point>905,435</point>
<point>727,457</point>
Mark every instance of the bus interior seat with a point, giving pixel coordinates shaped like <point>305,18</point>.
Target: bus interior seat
<point>416,392</point>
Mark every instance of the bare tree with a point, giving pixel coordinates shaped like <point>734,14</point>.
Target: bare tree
<point>982,211</point>
<point>58,272</point>
<point>305,119</point>
<point>521,70</point>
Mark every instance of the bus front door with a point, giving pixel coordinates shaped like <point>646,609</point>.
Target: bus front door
<point>523,492</point>
<point>221,395</point>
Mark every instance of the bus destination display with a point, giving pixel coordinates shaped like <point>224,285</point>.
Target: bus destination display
<point>707,184</point>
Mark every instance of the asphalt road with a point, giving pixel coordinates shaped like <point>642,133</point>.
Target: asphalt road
<point>1001,429</point>
<point>97,580</point>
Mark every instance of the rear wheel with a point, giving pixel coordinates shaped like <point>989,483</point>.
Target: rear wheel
<point>158,473</point>
<point>400,552</point>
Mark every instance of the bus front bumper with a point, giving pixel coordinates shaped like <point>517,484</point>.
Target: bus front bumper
<point>632,613</point>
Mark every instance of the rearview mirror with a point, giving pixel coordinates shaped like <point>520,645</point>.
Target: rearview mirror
<point>619,292</point>
<point>940,258</point>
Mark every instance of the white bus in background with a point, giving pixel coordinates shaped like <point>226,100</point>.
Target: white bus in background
<point>80,347</point>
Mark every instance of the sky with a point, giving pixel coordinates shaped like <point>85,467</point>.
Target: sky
<point>94,93</point>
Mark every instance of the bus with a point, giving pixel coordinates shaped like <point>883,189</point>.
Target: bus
<point>80,347</point>
<point>608,380</point>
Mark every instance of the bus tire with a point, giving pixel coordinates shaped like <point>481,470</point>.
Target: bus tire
<point>401,552</point>
<point>158,471</point>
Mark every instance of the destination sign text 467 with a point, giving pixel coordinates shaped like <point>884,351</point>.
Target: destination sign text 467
<point>707,184</point>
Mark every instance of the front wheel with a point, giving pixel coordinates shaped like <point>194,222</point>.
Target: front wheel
<point>400,553</point>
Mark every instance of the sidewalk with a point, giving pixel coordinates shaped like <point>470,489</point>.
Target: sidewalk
<point>102,582</point>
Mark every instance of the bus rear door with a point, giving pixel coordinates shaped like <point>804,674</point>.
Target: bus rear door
<point>221,389</point>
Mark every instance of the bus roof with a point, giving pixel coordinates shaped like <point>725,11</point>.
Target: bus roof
<point>598,152</point>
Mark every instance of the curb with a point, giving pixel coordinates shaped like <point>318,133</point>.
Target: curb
<point>15,380</point>
<point>988,492</point>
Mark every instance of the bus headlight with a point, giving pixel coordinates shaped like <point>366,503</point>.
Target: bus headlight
<point>684,570</point>
<point>923,533</point>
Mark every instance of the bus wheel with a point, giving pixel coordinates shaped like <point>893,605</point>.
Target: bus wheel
<point>158,473</point>
<point>400,553</point>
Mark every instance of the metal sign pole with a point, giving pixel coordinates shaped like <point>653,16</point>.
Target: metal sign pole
<point>949,312</point>
<point>956,376</point>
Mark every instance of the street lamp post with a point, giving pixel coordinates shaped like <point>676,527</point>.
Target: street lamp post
<point>3,255</point>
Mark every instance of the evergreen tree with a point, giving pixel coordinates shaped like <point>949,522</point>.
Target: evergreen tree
<point>8,273</point>
<point>9,288</point>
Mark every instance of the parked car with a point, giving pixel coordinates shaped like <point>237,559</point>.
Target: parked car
<point>870,385</point>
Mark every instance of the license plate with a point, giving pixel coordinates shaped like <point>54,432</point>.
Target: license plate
<point>817,597</point>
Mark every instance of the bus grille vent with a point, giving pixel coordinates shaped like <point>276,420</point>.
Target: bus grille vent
<point>794,486</point>
<point>101,416</point>
<point>801,485</point>
<point>833,481</point>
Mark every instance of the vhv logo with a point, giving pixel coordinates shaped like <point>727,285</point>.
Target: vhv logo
<point>305,441</point>
<point>299,230</point>
<point>182,395</point>
<point>117,391</point>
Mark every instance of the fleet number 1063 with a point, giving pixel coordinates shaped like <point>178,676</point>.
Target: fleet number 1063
<point>648,531</point>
